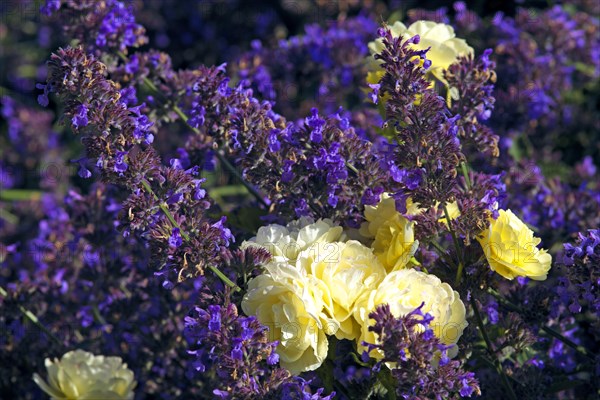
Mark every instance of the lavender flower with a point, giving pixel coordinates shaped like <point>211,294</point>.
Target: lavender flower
<point>105,26</point>
<point>91,288</point>
<point>119,138</point>
<point>471,82</point>
<point>237,351</point>
<point>579,288</point>
<point>34,158</point>
<point>235,358</point>
<point>427,145</point>
<point>330,60</point>
<point>413,349</point>
<point>320,168</point>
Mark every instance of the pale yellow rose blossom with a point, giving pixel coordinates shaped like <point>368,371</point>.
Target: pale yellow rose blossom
<point>404,290</point>
<point>348,269</point>
<point>393,234</point>
<point>80,375</point>
<point>511,249</point>
<point>286,242</point>
<point>297,308</point>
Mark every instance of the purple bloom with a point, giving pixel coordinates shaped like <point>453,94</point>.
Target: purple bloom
<point>226,234</point>
<point>215,318</point>
<point>83,171</point>
<point>287,174</point>
<point>375,93</point>
<point>274,143</point>
<point>237,351</point>
<point>417,374</point>
<point>120,164</point>
<point>175,239</point>
<point>372,196</point>
<point>50,7</point>
<point>80,119</point>
<point>315,124</point>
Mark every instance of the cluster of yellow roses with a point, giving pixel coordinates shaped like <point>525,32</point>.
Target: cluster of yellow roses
<point>321,283</point>
<point>325,281</point>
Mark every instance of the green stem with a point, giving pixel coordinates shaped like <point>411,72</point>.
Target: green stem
<point>166,211</point>
<point>458,274</point>
<point>490,349</point>
<point>567,341</point>
<point>31,316</point>
<point>441,251</point>
<point>465,172</point>
<point>438,247</point>
<point>545,328</point>
<point>223,160</point>
<point>456,245</point>
<point>352,168</point>
<point>224,278</point>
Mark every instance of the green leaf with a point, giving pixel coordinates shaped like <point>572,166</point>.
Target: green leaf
<point>20,195</point>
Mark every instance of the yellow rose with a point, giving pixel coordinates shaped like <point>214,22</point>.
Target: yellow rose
<point>445,47</point>
<point>286,242</point>
<point>82,375</point>
<point>348,269</point>
<point>405,290</point>
<point>511,249</point>
<point>296,308</point>
<point>393,235</point>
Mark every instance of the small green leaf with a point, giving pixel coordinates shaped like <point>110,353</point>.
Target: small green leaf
<point>20,195</point>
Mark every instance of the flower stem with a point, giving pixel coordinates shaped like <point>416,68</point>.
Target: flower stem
<point>164,209</point>
<point>456,246</point>
<point>441,251</point>
<point>224,278</point>
<point>465,172</point>
<point>490,349</point>
<point>31,316</point>
<point>458,274</point>
<point>547,329</point>
<point>567,341</point>
<point>163,206</point>
<point>169,216</point>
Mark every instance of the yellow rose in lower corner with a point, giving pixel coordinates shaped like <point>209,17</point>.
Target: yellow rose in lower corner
<point>404,291</point>
<point>348,269</point>
<point>82,375</point>
<point>296,308</point>
<point>393,234</point>
<point>511,249</point>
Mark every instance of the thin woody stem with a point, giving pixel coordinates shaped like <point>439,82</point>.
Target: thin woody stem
<point>490,349</point>
<point>31,316</point>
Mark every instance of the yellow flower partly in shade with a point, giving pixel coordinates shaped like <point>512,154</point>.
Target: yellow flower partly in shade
<point>393,234</point>
<point>348,269</point>
<point>511,249</point>
<point>82,375</point>
<point>405,290</point>
<point>296,308</point>
<point>453,212</point>
<point>286,242</point>
<point>445,47</point>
